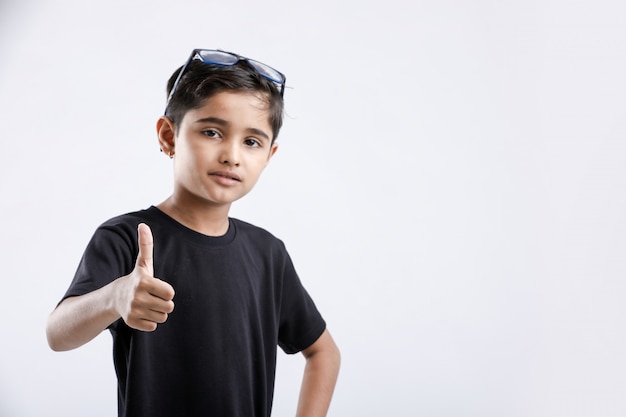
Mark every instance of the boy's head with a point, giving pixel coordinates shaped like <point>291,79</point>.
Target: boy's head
<point>209,72</point>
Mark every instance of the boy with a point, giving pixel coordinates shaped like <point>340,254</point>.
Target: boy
<point>202,340</point>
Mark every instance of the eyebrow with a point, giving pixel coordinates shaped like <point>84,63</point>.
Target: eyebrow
<point>222,122</point>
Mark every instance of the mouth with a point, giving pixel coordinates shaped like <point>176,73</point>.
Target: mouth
<point>231,176</point>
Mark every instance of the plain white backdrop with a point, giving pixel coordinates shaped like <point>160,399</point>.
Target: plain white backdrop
<point>451,183</point>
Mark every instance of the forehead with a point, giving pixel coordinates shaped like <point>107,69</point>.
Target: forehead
<point>242,109</point>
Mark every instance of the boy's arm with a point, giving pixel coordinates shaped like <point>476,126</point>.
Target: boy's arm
<point>320,375</point>
<point>140,299</point>
<point>77,320</point>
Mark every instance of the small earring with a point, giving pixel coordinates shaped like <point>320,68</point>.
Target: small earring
<point>171,155</point>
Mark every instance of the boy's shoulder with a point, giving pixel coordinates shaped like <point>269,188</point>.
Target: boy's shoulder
<point>127,224</point>
<point>254,232</point>
<point>129,220</point>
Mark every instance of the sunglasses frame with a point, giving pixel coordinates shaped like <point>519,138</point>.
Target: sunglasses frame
<point>254,64</point>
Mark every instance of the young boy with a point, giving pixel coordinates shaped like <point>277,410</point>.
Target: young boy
<point>197,302</point>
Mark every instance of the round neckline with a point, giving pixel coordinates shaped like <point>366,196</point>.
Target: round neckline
<point>175,227</point>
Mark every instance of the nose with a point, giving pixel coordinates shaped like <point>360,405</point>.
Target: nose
<point>230,153</point>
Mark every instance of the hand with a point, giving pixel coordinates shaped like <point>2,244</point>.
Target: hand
<point>142,300</point>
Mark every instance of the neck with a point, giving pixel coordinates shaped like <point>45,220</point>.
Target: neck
<point>208,220</point>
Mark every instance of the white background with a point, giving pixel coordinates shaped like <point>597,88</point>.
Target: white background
<point>450,183</point>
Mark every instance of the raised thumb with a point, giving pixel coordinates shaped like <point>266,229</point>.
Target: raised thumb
<point>146,245</point>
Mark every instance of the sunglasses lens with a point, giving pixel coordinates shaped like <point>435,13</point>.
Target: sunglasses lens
<point>217,57</point>
<point>209,56</point>
<point>268,72</point>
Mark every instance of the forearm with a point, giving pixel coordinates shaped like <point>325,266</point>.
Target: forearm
<point>77,320</point>
<point>320,376</point>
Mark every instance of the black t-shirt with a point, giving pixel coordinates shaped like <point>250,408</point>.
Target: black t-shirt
<point>237,298</point>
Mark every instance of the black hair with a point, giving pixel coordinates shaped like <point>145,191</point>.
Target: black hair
<point>202,81</point>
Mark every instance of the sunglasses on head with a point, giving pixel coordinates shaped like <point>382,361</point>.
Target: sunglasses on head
<point>223,58</point>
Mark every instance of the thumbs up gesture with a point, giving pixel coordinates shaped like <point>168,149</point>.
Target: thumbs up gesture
<point>142,300</point>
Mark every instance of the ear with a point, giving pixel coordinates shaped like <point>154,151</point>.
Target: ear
<point>273,150</point>
<point>166,133</point>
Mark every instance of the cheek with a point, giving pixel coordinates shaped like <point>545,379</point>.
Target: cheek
<point>254,169</point>
<point>185,163</point>
<point>191,154</point>
<point>260,164</point>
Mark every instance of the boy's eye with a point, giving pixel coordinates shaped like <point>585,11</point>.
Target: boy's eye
<point>252,142</point>
<point>210,133</point>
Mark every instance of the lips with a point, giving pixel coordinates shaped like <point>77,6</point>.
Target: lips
<point>226,175</point>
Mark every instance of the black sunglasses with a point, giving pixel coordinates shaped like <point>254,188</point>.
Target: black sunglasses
<point>223,58</point>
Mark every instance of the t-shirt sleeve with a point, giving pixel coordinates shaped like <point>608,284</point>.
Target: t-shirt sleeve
<point>108,256</point>
<point>301,324</point>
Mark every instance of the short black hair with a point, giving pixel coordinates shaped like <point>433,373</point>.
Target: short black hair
<point>202,81</point>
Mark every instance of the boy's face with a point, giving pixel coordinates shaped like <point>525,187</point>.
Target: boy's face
<point>220,149</point>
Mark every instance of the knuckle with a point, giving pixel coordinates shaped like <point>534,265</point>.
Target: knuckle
<point>144,282</point>
<point>135,306</point>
